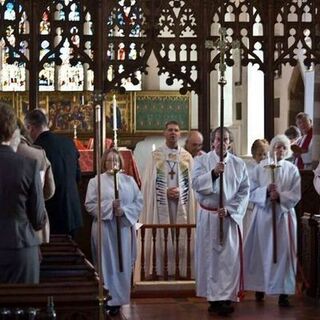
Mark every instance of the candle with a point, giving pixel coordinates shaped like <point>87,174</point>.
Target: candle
<point>74,131</point>
<point>268,157</point>
<point>153,147</point>
<point>114,113</point>
<point>98,114</point>
<point>275,158</point>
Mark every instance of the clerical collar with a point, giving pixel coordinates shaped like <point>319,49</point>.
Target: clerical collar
<point>225,156</point>
<point>174,148</point>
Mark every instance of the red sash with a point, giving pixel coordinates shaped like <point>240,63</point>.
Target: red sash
<point>304,146</point>
<point>208,209</point>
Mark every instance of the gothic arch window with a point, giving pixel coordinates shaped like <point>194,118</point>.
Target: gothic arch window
<point>178,60</point>
<point>14,46</point>
<point>298,36</point>
<point>250,34</point>
<point>66,63</point>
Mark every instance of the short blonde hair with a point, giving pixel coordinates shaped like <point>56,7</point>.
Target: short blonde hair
<point>258,143</point>
<point>105,156</point>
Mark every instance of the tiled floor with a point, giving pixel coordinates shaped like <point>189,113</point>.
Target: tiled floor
<point>196,309</point>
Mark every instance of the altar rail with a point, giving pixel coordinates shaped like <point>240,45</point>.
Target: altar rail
<point>166,228</point>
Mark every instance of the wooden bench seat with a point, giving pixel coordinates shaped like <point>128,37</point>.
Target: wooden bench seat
<point>66,276</point>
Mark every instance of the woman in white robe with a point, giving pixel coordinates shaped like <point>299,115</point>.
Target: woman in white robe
<point>259,150</point>
<point>128,207</point>
<point>261,273</point>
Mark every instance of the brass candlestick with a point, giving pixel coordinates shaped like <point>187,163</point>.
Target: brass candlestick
<point>273,167</point>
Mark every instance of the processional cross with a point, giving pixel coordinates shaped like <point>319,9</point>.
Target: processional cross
<point>222,45</point>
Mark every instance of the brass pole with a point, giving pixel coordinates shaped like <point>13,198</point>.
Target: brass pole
<point>274,219</point>
<point>223,45</point>
<point>98,168</point>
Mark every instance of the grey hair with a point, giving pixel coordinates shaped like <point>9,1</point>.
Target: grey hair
<point>225,129</point>
<point>281,139</point>
<point>303,115</point>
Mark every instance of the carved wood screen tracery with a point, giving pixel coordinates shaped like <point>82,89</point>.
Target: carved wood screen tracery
<point>169,29</point>
<point>106,44</point>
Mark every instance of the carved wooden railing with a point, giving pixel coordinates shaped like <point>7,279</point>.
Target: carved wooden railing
<point>156,230</point>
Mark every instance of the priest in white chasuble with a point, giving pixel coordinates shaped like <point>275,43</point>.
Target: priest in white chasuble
<point>218,263</point>
<point>263,273</point>
<point>168,199</point>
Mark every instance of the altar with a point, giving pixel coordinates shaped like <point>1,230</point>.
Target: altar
<point>87,157</point>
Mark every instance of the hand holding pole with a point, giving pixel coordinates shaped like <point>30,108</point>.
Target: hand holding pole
<point>116,168</point>
<point>273,167</point>
<point>223,45</point>
<point>118,220</point>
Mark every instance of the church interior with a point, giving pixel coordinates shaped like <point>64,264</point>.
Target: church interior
<point>249,65</point>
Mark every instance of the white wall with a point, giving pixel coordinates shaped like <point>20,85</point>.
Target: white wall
<point>255,107</point>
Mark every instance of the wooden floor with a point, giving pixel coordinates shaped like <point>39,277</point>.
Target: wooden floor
<point>196,309</point>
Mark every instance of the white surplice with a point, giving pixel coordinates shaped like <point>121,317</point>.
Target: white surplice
<point>158,209</point>
<point>316,179</point>
<point>131,202</point>
<point>218,266</point>
<point>261,274</point>
<point>249,215</point>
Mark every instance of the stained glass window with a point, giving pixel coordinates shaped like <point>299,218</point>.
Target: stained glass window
<point>14,46</point>
<point>64,62</point>
<point>125,21</point>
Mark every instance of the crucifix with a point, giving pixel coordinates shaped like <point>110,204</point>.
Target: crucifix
<point>171,166</point>
<point>222,45</point>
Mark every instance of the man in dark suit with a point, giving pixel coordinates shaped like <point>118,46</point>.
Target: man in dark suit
<point>22,209</point>
<point>22,145</point>
<point>63,208</point>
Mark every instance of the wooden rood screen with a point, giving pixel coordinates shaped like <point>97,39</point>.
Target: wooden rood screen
<point>166,249</point>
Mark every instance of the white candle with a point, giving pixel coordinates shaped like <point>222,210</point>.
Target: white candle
<point>268,157</point>
<point>114,113</point>
<point>275,158</point>
<point>98,113</point>
<point>153,147</point>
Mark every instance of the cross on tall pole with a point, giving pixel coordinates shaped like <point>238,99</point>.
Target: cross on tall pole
<point>222,45</point>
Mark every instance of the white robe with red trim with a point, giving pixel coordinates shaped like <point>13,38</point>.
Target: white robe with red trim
<point>218,267</point>
<point>261,274</point>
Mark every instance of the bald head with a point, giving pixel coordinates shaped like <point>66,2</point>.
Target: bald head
<point>194,142</point>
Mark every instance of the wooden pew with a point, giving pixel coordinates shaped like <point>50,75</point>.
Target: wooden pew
<point>66,276</point>
<point>311,253</point>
